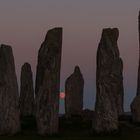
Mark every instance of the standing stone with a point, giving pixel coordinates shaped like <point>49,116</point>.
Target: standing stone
<point>109,82</point>
<point>138,82</point>
<point>9,97</point>
<point>136,102</point>
<point>48,82</point>
<point>74,87</point>
<point>26,91</point>
<point>135,110</point>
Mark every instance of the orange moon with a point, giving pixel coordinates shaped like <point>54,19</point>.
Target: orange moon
<point>62,95</point>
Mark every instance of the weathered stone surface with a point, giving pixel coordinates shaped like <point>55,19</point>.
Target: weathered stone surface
<point>135,109</point>
<point>74,87</point>
<point>136,102</point>
<point>138,82</point>
<point>109,82</point>
<point>48,82</point>
<point>27,102</point>
<point>9,97</point>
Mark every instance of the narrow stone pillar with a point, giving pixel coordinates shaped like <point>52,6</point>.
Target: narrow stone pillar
<point>27,102</point>
<point>74,88</point>
<point>48,82</point>
<point>136,102</point>
<point>138,82</point>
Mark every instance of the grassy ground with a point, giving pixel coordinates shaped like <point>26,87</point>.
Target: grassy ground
<point>74,129</point>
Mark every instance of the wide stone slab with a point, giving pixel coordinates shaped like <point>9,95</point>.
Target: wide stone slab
<point>109,82</point>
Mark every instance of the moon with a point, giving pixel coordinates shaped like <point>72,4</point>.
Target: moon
<point>62,95</point>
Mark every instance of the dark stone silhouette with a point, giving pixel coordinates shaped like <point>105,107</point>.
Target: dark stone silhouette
<point>136,102</point>
<point>27,102</point>
<point>135,109</point>
<point>74,87</point>
<point>138,82</point>
<point>9,97</point>
<point>109,82</point>
<point>48,82</point>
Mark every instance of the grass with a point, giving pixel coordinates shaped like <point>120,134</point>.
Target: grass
<point>74,129</point>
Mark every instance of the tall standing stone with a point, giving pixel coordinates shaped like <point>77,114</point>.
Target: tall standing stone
<point>109,82</point>
<point>74,87</point>
<point>9,97</point>
<point>48,82</point>
<point>27,102</point>
<point>138,82</point>
<point>136,102</point>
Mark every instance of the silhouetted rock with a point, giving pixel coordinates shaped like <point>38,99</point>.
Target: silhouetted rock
<point>27,101</point>
<point>138,82</point>
<point>135,109</point>
<point>48,82</point>
<point>136,102</point>
<point>74,87</point>
<point>109,81</point>
<point>9,97</point>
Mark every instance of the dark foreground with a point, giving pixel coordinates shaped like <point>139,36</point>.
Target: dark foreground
<point>76,129</point>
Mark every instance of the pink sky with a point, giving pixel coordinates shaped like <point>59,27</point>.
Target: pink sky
<point>23,25</point>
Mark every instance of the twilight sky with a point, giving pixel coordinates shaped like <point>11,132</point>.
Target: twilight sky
<point>24,23</point>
